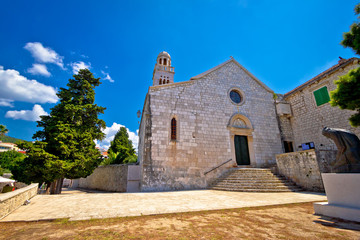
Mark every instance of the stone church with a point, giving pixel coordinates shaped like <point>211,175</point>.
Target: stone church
<point>192,131</point>
<point>190,127</point>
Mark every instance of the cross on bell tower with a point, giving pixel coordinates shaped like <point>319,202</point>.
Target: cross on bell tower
<point>163,71</point>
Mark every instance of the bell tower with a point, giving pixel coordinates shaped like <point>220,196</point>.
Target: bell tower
<point>163,71</point>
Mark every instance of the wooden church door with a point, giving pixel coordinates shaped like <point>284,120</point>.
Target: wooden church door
<point>241,150</point>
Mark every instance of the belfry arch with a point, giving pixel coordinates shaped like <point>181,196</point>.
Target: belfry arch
<point>241,139</point>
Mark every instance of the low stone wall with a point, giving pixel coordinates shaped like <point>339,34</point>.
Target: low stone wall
<point>302,168</point>
<point>112,178</point>
<point>12,200</point>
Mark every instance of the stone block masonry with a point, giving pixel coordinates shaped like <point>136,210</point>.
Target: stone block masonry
<point>112,178</point>
<point>10,201</point>
<point>308,119</point>
<point>203,109</point>
<point>302,168</point>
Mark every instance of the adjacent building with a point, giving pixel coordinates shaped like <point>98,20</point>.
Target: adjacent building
<point>7,146</point>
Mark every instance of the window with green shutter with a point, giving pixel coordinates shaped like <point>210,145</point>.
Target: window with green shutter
<point>321,96</point>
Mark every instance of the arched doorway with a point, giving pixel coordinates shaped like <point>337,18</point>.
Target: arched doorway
<point>241,130</point>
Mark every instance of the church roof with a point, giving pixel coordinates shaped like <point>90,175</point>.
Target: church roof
<point>342,63</point>
<point>238,64</point>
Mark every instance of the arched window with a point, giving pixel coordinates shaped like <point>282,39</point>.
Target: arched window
<point>173,129</point>
<point>165,61</point>
<point>167,81</point>
<point>164,81</point>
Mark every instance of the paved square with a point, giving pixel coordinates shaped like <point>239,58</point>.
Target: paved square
<point>108,205</point>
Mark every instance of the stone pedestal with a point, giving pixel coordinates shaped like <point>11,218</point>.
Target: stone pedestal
<point>343,194</point>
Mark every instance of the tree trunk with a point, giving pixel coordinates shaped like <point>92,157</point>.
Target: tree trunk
<point>59,184</point>
<point>56,186</point>
<point>52,187</point>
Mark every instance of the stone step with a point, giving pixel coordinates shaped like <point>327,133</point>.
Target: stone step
<point>260,189</point>
<point>253,177</point>
<point>256,190</point>
<point>261,185</point>
<point>253,180</point>
<point>254,184</point>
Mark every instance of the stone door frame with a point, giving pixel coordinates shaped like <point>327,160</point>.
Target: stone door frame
<point>245,130</point>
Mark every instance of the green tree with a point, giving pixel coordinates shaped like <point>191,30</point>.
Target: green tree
<point>3,130</point>
<point>347,93</point>
<point>110,159</point>
<point>65,146</point>
<point>352,38</point>
<point>9,157</point>
<point>39,166</point>
<point>122,146</point>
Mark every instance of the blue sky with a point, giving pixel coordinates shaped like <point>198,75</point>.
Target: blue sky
<point>283,43</point>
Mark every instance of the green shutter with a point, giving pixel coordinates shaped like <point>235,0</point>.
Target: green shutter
<point>321,96</point>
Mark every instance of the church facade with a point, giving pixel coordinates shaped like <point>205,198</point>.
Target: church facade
<point>191,132</point>
<point>188,128</point>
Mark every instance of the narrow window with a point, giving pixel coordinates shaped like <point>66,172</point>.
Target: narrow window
<point>167,81</point>
<point>160,81</point>
<point>173,129</point>
<point>321,96</point>
<point>165,61</point>
<point>164,81</point>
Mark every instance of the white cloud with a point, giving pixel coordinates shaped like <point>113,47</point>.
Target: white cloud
<point>110,134</point>
<point>15,87</point>
<point>76,66</point>
<point>39,69</point>
<point>6,103</point>
<point>28,115</point>
<point>107,77</point>
<point>44,54</point>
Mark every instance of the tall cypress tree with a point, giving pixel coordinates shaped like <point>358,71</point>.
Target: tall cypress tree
<point>68,133</point>
<point>122,146</point>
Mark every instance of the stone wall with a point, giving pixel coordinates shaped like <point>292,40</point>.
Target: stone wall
<point>286,129</point>
<point>308,120</point>
<point>203,110</point>
<point>112,178</point>
<point>10,201</point>
<point>302,168</point>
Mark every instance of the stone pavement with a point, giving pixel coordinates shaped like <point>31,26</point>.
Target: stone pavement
<point>77,205</point>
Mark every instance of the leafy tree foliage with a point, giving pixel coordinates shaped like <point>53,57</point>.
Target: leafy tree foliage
<point>8,139</point>
<point>3,130</point>
<point>122,147</point>
<point>347,94</point>
<point>9,157</point>
<point>352,38</point>
<point>65,146</point>
<point>39,166</point>
<point>110,159</point>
